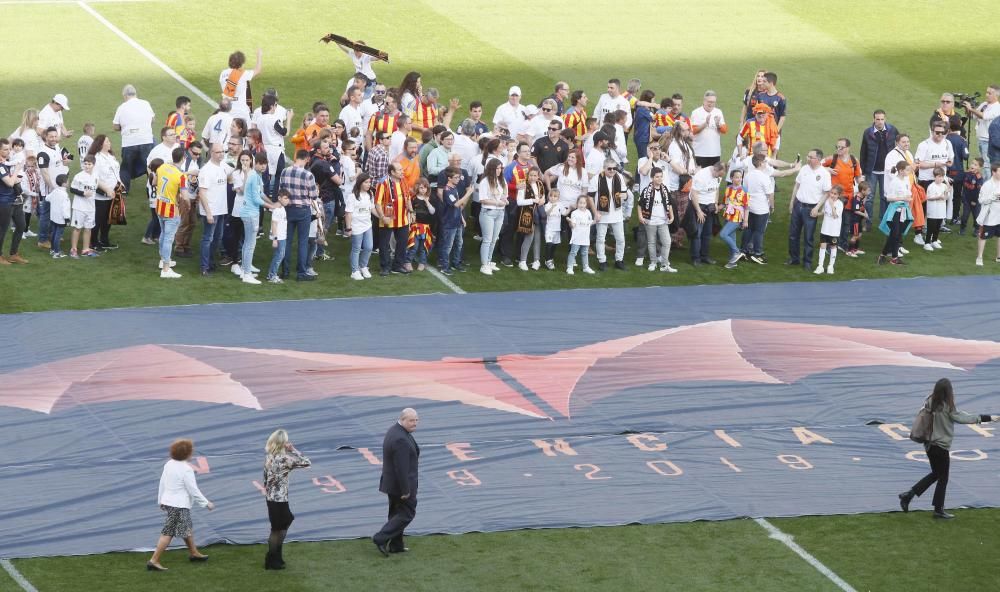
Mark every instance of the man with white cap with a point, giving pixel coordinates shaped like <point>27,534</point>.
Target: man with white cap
<point>51,116</point>
<point>510,113</point>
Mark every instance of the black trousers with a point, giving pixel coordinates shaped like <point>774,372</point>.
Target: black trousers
<point>11,213</point>
<point>398,260</point>
<point>102,228</point>
<point>940,466</point>
<point>508,234</point>
<point>401,513</point>
<point>933,229</point>
<point>892,242</point>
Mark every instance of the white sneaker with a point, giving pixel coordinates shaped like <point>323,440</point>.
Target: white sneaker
<point>829,270</point>
<point>485,270</point>
<point>169,274</point>
<point>652,266</point>
<point>253,269</point>
<point>522,266</point>
<point>29,234</point>
<point>918,239</point>
<point>639,261</point>
<point>357,275</point>
<point>536,265</point>
<point>569,271</point>
<point>903,251</point>
<point>937,244</point>
<point>550,264</point>
<point>312,272</point>
<point>365,273</point>
<point>588,270</point>
<point>160,264</point>
<point>236,269</point>
<point>979,261</point>
<point>818,270</point>
<point>494,266</point>
<point>249,279</point>
<point>928,247</point>
<point>666,267</point>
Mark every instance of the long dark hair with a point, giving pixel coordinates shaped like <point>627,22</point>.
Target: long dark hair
<point>409,84</point>
<point>492,146</point>
<point>358,183</point>
<point>97,146</point>
<point>943,396</point>
<point>490,174</point>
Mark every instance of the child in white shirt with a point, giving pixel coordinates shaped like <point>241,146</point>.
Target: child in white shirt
<point>833,212</point>
<point>60,212</point>
<point>938,199</point>
<point>83,188</point>
<point>86,140</point>
<point>279,232</point>
<point>580,221</point>
<point>554,212</point>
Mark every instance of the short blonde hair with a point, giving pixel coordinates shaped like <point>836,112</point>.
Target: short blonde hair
<point>276,442</point>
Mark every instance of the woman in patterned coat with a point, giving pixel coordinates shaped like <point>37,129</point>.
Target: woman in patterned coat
<point>281,458</point>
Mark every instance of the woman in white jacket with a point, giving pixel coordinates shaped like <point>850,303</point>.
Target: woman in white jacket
<point>178,490</point>
<point>989,213</point>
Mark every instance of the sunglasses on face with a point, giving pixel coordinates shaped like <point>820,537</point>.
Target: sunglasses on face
<point>546,110</point>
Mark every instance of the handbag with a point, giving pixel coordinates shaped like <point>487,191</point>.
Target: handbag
<point>116,212</point>
<point>923,425</point>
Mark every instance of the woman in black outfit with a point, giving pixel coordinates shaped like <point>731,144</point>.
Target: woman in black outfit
<point>942,404</point>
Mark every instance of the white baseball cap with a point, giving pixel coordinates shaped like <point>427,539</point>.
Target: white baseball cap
<point>61,100</point>
<point>514,90</point>
<point>531,110</point>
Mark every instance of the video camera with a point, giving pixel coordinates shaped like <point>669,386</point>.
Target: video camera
<point>972,98</point>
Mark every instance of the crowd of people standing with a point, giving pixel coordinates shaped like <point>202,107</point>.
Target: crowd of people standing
<point>397,176</point>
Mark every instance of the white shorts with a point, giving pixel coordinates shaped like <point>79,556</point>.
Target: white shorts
<point>82,219</point>
<point>552,237</point>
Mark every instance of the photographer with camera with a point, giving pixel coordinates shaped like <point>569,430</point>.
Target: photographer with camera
<point>984,115</point>
<point>947,113</point>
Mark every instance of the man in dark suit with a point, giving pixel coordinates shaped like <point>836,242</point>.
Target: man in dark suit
<point>400,455</point>
<point>876,142</point>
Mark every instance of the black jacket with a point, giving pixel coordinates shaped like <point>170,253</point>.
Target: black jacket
<point>400,456</point>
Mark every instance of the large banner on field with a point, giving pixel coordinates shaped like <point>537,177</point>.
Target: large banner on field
<point>541,409</point>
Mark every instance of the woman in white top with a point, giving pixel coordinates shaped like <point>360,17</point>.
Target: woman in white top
<point>358,208</point>
<point>106,171</point>
<point>571,179</point>
<point>493,200</point>
<point>410,91</point>
<point>989,213</point>
<point>178,491</point>
<point>28,133</point>
<point>898,217</point>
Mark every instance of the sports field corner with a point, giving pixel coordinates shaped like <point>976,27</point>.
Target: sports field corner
<point>835,71</point>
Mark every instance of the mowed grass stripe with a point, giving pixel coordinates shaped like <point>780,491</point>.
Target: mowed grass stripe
<point>701,556</point>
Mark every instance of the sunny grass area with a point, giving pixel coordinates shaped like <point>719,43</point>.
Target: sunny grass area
<point>835,71</point>
<point>833,74</point>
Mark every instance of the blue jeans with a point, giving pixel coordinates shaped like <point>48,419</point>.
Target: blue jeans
<point>43,220</point>
<point>877,183</point>
<point>298,220</point>
<point>328,213</point>
<point>727,236</point>
<point>801,223</point>
<point>984,151</point>
<point>701,240</point>
<point>250,225</point>
<point>277,259</point>
<point>451,247</point>
<point>491,221</point>
<point>418,254</point>
<point>169,226</point>
<point>211,238</point>
<point>582,250</point>
<point>753,236</point>
<point>57,232</point>
<point>361,250</point>
<point>133,163</point>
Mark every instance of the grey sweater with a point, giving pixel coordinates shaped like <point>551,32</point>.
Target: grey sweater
<point>944,426</point>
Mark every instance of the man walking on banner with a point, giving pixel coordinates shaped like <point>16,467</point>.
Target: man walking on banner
<point>400,455</point>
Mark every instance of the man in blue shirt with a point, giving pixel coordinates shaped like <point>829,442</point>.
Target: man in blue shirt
<point>450,255</point>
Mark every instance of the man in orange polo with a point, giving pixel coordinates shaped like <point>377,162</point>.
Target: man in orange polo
<point>845,171</point>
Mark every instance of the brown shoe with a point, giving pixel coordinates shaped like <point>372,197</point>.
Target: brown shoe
<point>17,258</point>
<point>45,245</point>
<point>3,260</point>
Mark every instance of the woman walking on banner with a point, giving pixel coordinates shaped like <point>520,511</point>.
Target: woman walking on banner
<point>941,407</point>
<point>178,489</point>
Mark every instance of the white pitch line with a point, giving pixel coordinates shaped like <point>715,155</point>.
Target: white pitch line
<point>778,535</point>
<point>149,56</point>
<point>20,579</point>
<point>444,280</point>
